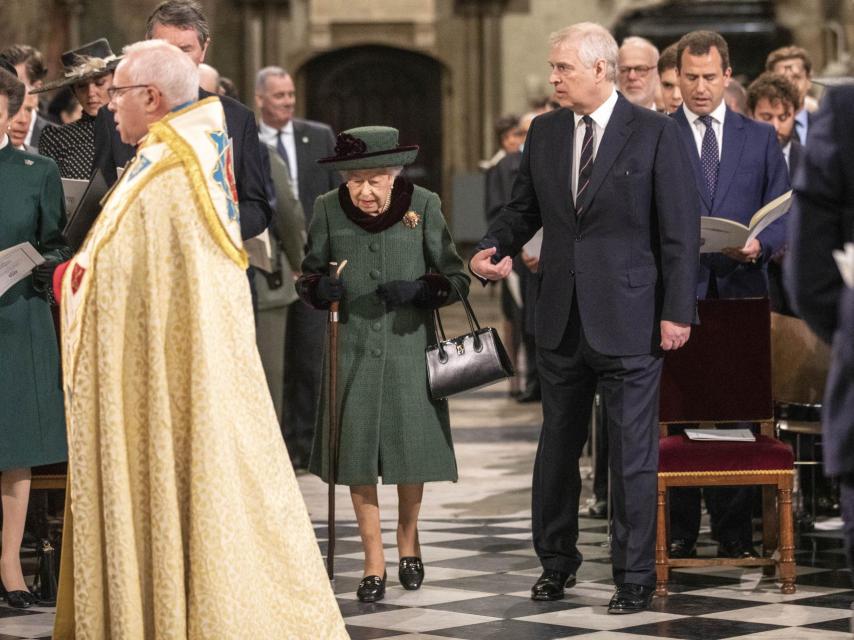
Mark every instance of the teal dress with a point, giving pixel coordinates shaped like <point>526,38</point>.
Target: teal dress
<point>32,419</point>
<point>390,426</point>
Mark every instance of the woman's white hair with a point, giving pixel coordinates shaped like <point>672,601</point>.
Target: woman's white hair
<point>160,64</point>
<point>593,42</point>
<point>389,171</point>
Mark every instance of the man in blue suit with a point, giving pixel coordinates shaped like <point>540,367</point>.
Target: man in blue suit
<point>738,167</point>
<point>609,184</point>
<point>823,221</point>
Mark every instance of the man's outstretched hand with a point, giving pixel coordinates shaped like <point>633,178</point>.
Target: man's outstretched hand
<point>481,265</point>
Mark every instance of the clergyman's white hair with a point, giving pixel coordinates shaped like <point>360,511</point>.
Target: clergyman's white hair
<point>160,64</point>
<point>263,74</point>
<point>637,41</point>
<point>593,42</point>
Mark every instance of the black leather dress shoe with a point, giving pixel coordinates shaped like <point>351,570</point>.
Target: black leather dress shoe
<point>551,584</point>
<point>598,509</point>
<point>735,549</point>
<point>20,599</point>
<point>530,395</point>
<point>371,588</point>
<point>631,598</point>
<point>410,572</point>
<point>681,548</point>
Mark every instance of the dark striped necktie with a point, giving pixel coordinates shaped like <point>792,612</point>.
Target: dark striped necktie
<point>585,166</point>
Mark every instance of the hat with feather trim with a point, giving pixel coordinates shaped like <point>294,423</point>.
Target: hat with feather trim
<point>84,63</point>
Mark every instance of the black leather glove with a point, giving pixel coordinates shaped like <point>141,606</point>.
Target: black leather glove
<point>398,293</point>
<point>329,290</point>
<point>43,279</point>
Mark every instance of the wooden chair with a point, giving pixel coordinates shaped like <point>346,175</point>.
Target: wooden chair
<point>723,375</point>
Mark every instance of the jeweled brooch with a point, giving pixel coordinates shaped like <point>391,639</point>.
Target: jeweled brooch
<point>411,219</point>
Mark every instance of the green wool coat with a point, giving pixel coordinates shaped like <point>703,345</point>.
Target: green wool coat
<point>390,426</point>
<point>32,418</point>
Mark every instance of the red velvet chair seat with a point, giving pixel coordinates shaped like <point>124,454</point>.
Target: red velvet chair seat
<point>678,453</point>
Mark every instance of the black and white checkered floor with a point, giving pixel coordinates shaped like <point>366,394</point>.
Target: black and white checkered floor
<point>479,572</point>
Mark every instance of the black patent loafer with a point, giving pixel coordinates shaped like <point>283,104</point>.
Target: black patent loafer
<point>371,588</point>
<point>551,584</point>
<point>410,572</point>
<point>681,548</point>
<point>20,599</point>
<point>631,598</point>
<point>735,549</point>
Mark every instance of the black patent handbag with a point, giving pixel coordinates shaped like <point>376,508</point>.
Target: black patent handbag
<point>470,361</point>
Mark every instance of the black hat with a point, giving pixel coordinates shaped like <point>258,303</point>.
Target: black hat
<point>84,63</point>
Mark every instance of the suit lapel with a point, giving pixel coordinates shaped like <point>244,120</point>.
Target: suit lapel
<point>300,132</point>
<point>687,136</point>
<point>733,145</point>
<point>616,134</point>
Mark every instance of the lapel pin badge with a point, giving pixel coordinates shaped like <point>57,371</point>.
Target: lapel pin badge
<point>27,162</point>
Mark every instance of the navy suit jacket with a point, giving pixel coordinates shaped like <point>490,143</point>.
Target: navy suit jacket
<point>255,212</point>
<point>630,260</point>
<point>313,141</point>
<point>752,173</point>
<point>822,219</point>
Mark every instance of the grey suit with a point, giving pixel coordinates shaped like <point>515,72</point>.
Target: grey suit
<point>276,291</point>
<point>306,327</point>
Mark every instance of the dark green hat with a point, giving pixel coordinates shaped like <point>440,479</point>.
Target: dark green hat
<point>369,148</point>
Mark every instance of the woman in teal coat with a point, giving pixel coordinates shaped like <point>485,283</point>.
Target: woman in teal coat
<point>32,424</point>
<point>401,263</point>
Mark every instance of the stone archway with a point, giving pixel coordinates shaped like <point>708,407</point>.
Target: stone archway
<point>372,84</point>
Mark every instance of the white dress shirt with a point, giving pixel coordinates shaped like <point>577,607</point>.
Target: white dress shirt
<point>269,135</point>
<point>787,149</point>
<point>4,141</point>
<point>600,118</point>
<point>699,129</point>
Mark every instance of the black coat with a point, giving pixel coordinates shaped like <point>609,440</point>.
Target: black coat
<point>631,259</point>
<point>255,212</point>
<point>822,219</point>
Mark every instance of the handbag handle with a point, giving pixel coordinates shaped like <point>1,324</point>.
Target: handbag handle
<point>470,316</point>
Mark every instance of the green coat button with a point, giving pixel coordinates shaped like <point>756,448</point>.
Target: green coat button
<point>377,326</point>
<point>374,246</point>
<point>375,274</point>
<point>376,352</point>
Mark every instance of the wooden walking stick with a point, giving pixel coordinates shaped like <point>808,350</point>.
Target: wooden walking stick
<point>334,427</point>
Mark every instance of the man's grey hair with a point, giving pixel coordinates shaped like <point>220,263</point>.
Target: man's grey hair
<point>593,42</point>
<point>267,72</point>
<point>162,65</point>
<point>637,41</point>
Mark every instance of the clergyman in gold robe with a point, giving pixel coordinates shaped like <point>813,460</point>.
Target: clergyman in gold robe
<point>185,517</point>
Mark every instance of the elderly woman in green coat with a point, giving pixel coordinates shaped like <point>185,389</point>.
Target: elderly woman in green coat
<point>32,423</point>
<point>401,264</point>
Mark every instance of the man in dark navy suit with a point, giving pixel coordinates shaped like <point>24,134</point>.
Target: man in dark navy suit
<point>772,98</point>
<point>610,184</point>
<point>822,220</point>
<point>738,167</point>
<point>182,23</point>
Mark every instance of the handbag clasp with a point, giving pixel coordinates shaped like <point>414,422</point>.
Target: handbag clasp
<point>461,349</point>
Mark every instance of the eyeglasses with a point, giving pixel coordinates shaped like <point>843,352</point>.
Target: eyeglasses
<point>640,70</point>
<point>114,92</point>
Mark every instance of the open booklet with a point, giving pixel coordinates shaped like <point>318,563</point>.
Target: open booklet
<point>86,209</point>
<point>717,234</point>
<point>16,263</point>
<point>721,435</point>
